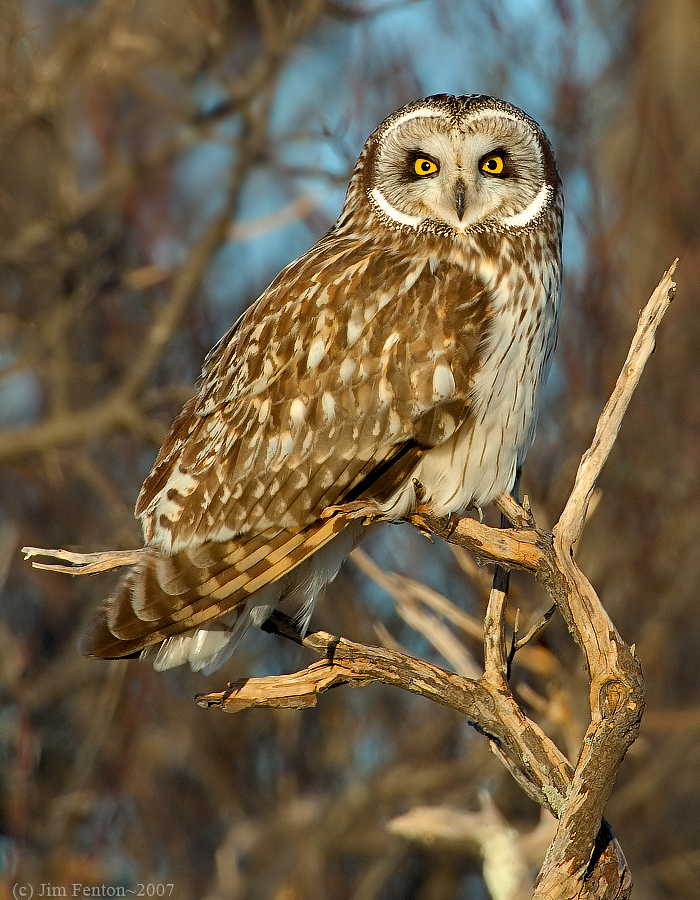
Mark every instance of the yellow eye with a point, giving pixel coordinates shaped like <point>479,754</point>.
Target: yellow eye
<point>493,164</point>
<point>423,166</point>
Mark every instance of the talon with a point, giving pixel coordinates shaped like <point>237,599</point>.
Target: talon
<point>452,523</point>
<point>419,491</point>
<point>481,514</point>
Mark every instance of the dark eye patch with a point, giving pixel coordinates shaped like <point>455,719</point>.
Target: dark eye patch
<point>420,164</point>
<point>496,163</point>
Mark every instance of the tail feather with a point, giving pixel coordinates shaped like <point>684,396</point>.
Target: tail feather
<point>208,647</point>
<point>163,597</point>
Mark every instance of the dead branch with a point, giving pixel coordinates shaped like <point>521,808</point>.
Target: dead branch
<point>571,521</point>
<point>83,563</point>
<point>584,860</point>
<point>617,695</point>
<point>346,662</point>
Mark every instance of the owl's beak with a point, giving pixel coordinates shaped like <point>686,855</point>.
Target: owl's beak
<point>459,199</point>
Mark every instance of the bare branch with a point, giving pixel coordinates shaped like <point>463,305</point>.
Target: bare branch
<point>83,563</point>
<point>584,860</point>
<point>345,662</point>
<point>617,687</point>
<point>572,520</point>
<point>519,643</point>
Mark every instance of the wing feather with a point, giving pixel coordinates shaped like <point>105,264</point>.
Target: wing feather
<point>329,388</point>
<point>278,432</point>
<point>164,595</point>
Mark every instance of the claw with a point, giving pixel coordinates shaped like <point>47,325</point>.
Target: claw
<point>452,523</point>
<point>419,491</point>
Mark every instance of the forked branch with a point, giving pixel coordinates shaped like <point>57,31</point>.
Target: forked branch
<point>584,860</point>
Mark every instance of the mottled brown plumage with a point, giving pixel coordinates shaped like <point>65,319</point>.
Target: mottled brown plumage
<point>411,342</point>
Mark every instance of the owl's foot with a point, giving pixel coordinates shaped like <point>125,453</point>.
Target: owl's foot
<point>368,509</point>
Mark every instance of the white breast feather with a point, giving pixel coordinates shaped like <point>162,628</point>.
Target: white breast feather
<point>481,459</point>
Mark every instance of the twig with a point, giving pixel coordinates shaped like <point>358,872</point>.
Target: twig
<point>519,643</point>
<point>186,281</point>
<point>83,563</point>
<point>515,513</point>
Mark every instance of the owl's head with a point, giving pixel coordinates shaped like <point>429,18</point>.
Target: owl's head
<point>457,165</point>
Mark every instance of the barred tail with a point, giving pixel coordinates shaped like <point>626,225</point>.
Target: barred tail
<point>194,605</point>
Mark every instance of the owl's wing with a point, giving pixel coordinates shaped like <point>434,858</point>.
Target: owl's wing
<point>348,361</point>
<point>164,595</point>
<point>329,388</point>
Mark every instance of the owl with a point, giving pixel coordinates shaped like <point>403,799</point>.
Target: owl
<point>404,353</point>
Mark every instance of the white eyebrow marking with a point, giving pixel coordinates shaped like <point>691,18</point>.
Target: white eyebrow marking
<point>427,111</point>
<point>391,212</point>
<point>530,212</point>
<point>501,113</point>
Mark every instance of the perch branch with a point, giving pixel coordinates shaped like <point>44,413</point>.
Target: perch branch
<point>346,662</point>
<point>584,859</point>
